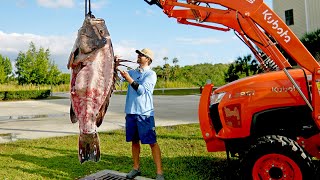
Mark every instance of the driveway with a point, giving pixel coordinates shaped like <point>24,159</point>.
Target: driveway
<point>48,118</point>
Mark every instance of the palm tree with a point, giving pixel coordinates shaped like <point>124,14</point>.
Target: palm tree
<point>175,61</point>
<point>175,68</point>
<point>165,60</point>
<point>231,74</point>
<point>242,64</point>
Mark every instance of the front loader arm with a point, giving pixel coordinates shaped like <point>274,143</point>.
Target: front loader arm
<point>244,27</point>
<point>253,15</point>
<point>252,19</point>
<point>258,26</point>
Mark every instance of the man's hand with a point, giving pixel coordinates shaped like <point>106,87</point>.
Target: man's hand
<point>126,75</point>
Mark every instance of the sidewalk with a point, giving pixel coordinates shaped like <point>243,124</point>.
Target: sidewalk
<point>40,119</point>
<point>49,118</point>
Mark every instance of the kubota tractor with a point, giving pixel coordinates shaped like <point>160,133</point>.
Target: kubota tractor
<point>270,121</point>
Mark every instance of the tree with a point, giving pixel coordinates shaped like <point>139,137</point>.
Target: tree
<point>23,65</point>
<point>64,78</point>
<point>311,41</point>
<point>242,64</point>
<point>175,68</point>
<point>35,67</point>
<point>159,71</point>
<point>231,74</point>
<point>166,70</point>
<point>5,69</point>
<point>53,76</point>
<point>175,61</point>
<point>243,67</point>
<point>165,60</point>
<point>2,75</point>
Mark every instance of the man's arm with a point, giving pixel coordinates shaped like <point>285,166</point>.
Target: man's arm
<point>148,83</point>
<point>127,76</point>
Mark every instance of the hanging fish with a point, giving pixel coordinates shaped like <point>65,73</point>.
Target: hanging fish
<point>93,75</point>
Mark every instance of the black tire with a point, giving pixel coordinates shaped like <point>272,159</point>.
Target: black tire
<point>276,157</point>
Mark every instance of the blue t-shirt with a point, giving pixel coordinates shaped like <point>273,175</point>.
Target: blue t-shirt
<point>141,101</point>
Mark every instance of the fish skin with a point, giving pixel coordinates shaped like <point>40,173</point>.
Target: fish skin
<point>92,64</point>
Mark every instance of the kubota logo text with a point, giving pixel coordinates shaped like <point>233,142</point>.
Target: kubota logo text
<point>283,89</point>
<point>275,25</point>
<point>251,1</point>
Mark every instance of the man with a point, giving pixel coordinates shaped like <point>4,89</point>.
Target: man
<point>140,125</point>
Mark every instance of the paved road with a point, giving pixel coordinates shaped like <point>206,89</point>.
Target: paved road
<point>48,118</point>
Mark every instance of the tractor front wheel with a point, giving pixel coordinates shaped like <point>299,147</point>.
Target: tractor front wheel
<point>276,157</point>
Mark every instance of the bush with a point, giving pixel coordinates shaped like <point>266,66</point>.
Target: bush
<point>22,95</point>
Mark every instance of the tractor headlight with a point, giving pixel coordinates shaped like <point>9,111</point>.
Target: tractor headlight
<point>216,98</point>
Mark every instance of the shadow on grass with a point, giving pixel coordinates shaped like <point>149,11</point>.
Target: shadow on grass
<point>66,165</point>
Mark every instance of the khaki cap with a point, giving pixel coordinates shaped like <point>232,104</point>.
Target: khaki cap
<point>147,52</point>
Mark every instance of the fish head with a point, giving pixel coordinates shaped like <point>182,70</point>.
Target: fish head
<point>92,35</point>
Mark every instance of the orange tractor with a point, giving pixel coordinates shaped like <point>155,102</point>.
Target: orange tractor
<point>270,121</point>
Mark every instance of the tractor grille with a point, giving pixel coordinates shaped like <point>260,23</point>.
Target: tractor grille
<point>215,118</point>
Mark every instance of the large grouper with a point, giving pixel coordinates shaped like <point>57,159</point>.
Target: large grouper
<point>93,75</point>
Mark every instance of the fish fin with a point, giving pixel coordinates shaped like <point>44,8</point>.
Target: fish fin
<point>102,112</point>
<point>103,109</point>
<point>89,147</point>
<point>73,116</point>
<point>72,57</point>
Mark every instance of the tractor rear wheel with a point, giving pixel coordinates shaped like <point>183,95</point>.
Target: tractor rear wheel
<point>276,157</point>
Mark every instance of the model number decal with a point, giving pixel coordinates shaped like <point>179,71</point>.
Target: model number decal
<point>283,89</point>
<point>268,17</point>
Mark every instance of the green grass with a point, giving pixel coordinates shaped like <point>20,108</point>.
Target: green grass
<point>184,156</point>
<point>15,87</point>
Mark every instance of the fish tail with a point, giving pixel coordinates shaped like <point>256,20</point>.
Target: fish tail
<point>89,147</point>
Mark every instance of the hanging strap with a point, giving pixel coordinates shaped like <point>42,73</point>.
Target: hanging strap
<point>86,8</point>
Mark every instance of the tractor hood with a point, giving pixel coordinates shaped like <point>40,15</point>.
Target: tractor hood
<point>273,81</point>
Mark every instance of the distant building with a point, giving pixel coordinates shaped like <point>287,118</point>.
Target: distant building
<point>301,16</point>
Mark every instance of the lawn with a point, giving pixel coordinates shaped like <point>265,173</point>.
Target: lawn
<point>183,152</point>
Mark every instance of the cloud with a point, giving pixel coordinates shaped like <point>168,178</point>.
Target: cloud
<point>146,12</point>
<point>99,4</point>
<point>56,3</point>
<point>68,3</point>
<point>59,46</point>
<point>21,3</point>
<point>198,41</point>
<point>14,42</point>
<point>96,5</point>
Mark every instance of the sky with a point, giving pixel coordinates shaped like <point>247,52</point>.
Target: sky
<point>132,24</point>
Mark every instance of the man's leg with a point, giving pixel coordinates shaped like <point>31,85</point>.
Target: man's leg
<point>136,154</point>
<point>136,160</point>
<point>156,153</point>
